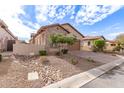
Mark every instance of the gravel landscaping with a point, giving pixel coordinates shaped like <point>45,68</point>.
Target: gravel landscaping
<point>14,70</point>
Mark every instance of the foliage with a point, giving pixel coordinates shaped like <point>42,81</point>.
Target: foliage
<point>58,53</point>
<point>0,57</point>
<point>120,40</point>
<point>44,60</point>
<point>64,51</point>
<point>99,45</point>
<point>74,61</point>
<point>42,52</point>
<point>117,48</point>
<point>90,59</point>
<point>59,39</point>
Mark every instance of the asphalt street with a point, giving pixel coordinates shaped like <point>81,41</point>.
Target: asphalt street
<point>112,79</point>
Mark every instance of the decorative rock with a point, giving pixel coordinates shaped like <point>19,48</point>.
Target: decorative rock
<point>33,76</point>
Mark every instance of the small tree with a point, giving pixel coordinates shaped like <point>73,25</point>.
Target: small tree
<point>99,45</point>
<point>59,39</point>
<point>120,40</point>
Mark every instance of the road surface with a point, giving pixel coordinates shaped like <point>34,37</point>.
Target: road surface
<point>112,79</point>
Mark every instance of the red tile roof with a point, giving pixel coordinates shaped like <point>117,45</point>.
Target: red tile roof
<point>93,37</point>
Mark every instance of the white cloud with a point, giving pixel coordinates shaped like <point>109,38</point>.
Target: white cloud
<point>9,15</point>
<point>53,13</point>
<point>114,34</point>
<point>89,15</point>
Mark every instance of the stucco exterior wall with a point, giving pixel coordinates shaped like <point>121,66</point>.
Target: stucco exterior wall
<point>88,47</point>
<point>26,49</point>
<point>4,37</point>
<point>44,37</point>
<point>109,47</point>
<point>73,32</point>
<point>84,45</point>
<point>51,31</point>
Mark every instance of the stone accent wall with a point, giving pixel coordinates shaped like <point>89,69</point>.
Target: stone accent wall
<point>26,49</point>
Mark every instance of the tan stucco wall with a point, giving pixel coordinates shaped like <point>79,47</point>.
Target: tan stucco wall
<point>4,36</point>
<point>49,31</point>
<point>73,32</point>
<point>109,47</point>
<point>26,49</point>
<point>84,45</point>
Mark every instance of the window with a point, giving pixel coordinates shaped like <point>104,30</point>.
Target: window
<point>112,44</point>
<point>3,27</point>
<point>88,43</point>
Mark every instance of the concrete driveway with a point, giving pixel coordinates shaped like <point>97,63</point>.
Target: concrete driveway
<point>112,79</point>
<point>100,57</point>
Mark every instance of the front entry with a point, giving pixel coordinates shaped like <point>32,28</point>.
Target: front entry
<point>10,45</point>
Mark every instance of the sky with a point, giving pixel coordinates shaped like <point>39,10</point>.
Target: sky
<point>106,20</point>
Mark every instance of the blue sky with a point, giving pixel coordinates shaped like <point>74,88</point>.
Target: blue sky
<point>106,20</point>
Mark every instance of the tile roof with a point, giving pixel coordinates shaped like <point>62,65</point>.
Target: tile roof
<point>93,37</point>
<point>6,28</point>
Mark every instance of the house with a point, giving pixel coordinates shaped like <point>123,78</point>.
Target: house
<point>43,34</point>
<point>6,38</point>
<point>87,42</point>
<point>110,45</point>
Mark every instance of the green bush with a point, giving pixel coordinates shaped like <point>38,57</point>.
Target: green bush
<point>0,57</point>
<point>99,45</point>
<point>74,61</point>
<point>64,51</point>
<point>42,52</point>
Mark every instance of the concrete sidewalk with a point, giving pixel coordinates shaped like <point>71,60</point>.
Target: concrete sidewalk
<point>81,79</point>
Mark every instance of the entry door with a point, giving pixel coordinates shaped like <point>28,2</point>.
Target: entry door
<point>10,45</point>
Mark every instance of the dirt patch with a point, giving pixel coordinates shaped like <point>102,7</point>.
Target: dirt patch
<point>82,65</point>
<point>14,70</point>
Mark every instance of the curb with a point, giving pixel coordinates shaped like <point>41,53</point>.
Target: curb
<point>81,79</point>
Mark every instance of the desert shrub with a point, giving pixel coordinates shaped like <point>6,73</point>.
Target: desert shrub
<point>59,39</point>
<point>58,53</point>
<point>64,51</point>
<point>90,59</point>
<point>94,49</point>
<point>44,60</point>
<point>117,48</point>
<point>74,61</point>
<point>0,57</point>
<point>99,45</point>
<point>42,52</point>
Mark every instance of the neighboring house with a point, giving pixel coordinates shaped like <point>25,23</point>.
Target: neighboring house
<point>42,37</point>
<point>6,38</point>
<point>110,45</point>
<point>87,42</point>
